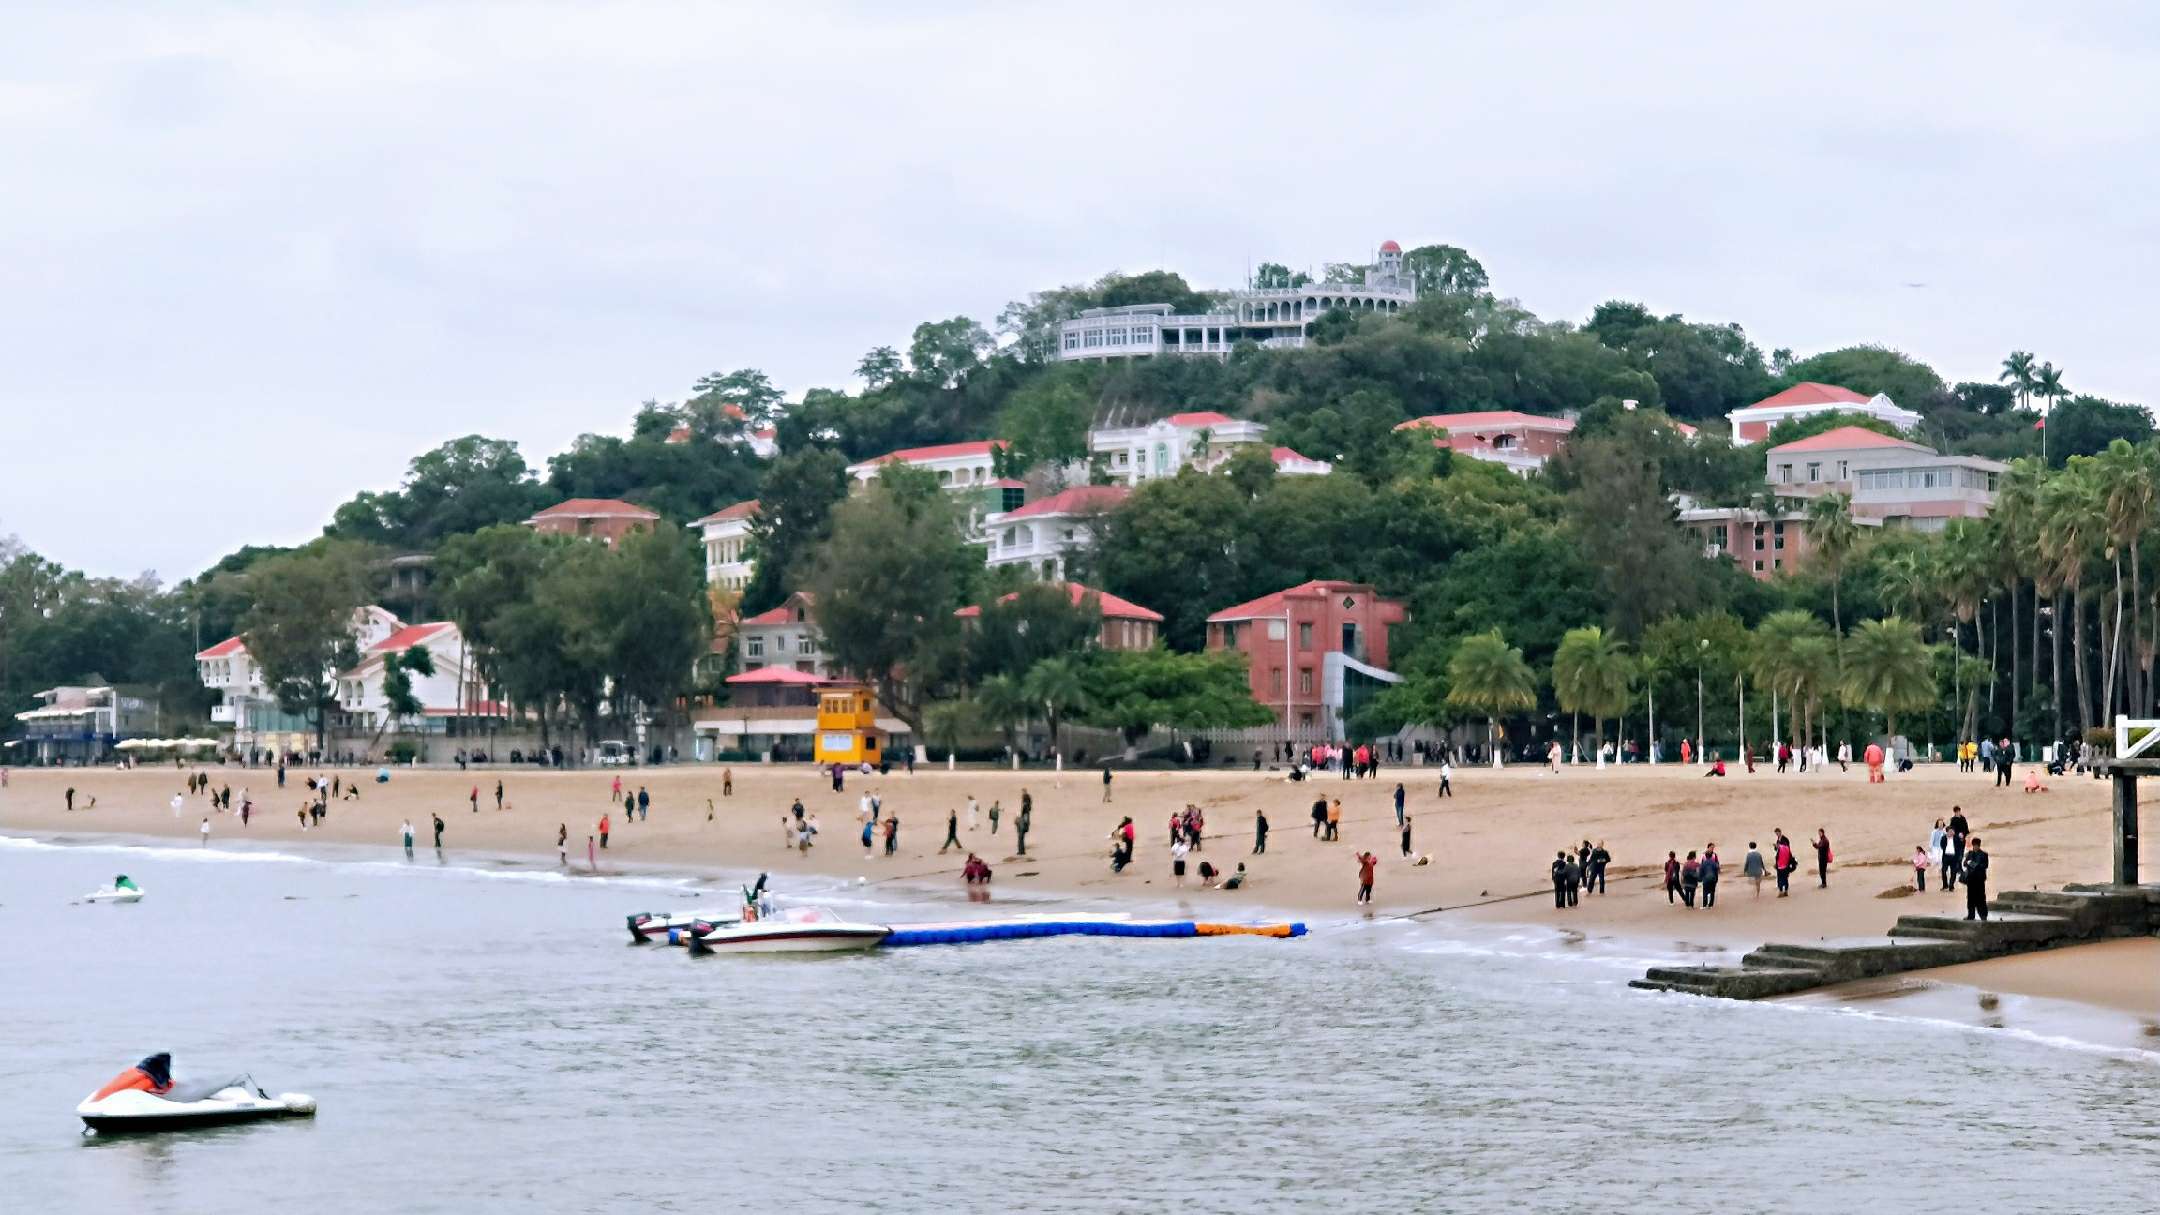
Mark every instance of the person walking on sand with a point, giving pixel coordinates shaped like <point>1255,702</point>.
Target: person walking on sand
<point>69,797</point>
<point>1106,784</point>
<point>562,844</point>
<point>1712,868</point>
<point>1334,819</point>
<point>438,830</point>
<point>1752,867</point>
<point>1367,864</point>
<point>206,831</point>
<point>1672,876</point>
<point>1690,877</point>
<point>498,795</point>
<point>1177,862</point>
<point>996,809</point>
<point>604,824</point>
<point>1574,880</point>
<point>1920,867</point>
<point>644,804</point>
<point>1399,820</point>
<point>727,782</point>
<point>1822,858</point>
<point>405,832</point>
<point>592,859</point>
<point>1975,878</point>
<point>1447,784</point>
<point>1023,821</point>
<point>177,802</point>
<point>1259,834</point>
<point>974,819</point>
<point>1319,815</point>
<point>952,832</point>
<point>615,789</point>
<point>476,799</point>
<point>1784,862</point>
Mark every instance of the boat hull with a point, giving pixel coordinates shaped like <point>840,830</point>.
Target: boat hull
<point>138,1113</point>
<point>114,896</point>
<point>790,938</point>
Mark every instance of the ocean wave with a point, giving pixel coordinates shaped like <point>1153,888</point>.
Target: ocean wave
<point>2055,1041</point>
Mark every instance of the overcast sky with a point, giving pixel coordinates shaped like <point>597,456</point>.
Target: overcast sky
<point>253,260</point>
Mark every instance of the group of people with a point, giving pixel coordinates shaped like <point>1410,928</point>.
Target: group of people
<point>1572,873</point>
<point>1956,855</point>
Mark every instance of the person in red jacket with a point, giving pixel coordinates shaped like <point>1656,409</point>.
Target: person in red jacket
<point>153,1075</point>
<point>1366,864</point>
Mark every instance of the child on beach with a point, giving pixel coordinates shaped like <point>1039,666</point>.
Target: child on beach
<point>1367,863</point>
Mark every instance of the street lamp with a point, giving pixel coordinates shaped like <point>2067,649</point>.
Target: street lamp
<point>1702,651</point>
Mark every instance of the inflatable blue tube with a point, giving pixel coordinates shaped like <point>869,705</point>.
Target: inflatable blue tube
<point>970,934</point>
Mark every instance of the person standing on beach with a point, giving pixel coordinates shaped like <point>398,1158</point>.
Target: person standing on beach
<point>1711,868</point>
<point>1367,864</point>
<point>1672,876</point>
<point>727,782</point>
<point>1399,820</point>
<point>562,844</point>
<point>177,802</point>
<point>892,835</point>
<point>498,795</point>
<point>1976,876</point>
<point>1752,867</point>
<point>1319,815</point>
<point>1822,858</point>
<point>1447,785</point>
<point>996,809</point>
<point>1599,858</point>
<point>70,798</point>
<point>1334,819</point>
<point>405,832</point>
<point>1573,876</point>
<point>644,804</point>
<point>952,832</point>
<point>1177,861</point>
<point>1259,835</point>
<point>1406,838</point>
<point>247,808</point>
<point>1106,784</point>
<point>206,831</point>
<point>603,828</point>
<point>476,799</point>
<point>1920,867</point>
<point>614,789</point>
<point>1959,829</point>
<point>974,820</point>
<point>1690,877</point>
<point>438,830</point>
<point>1784,862</point>
<point>1024,821</point>
<point>1559,879</point>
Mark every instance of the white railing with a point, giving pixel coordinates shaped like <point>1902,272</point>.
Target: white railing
<point>2134,737</point>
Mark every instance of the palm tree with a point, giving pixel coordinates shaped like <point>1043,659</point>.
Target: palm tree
<point>950,721</point>
<point>1003,704</point>
<point>2015,527</point>
<point>2073,519</point>
<point>2047,382</point>
<point>1592,673</point>
<point>2132,504</point>
<point>1815,671</point>
<point>1054,686</point>
<point>1888,669</point>
<point>1486,675</point>
<point>1832,534</point>
<point>1907,582</point>
<point>2018,373</point>
<point>1785,658</point>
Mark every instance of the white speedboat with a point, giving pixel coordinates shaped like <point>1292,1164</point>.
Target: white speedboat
<point>188,1106</point>
<point>797,930</point>
<point>114,894</point>
<point>672,928</point>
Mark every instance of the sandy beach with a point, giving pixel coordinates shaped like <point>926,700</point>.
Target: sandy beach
<point>1489,844</point>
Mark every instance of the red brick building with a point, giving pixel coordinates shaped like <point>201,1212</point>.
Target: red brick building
<point>604,519</point>
<point>1311,650</point>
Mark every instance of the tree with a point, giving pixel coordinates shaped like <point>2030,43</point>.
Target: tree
<point>1045,424</point>
<point>399,701</point>
<point>726,403</point>
<point>1041,620</point>
<point>1628,529</point>
<point>1176,545</point>
<point>1792,655</point>
<point>1274,276</point>
<point>1888,669</point>
<point>794,516</point>
<point>459,486</point>
<point>885,585</point>
<point>302,628</point>
<point>1489,677</point>
<point>880,367</point>
<point>489,582</point>
<point>2018,372</point>
<point>2086,425</point>
<point>1056,686</point>
<point>2048,383</point>
<point>1444,270</point>
<point>2132,504</point>
<point>944,352</point>
<point>1000,702</point>
<point>1133,691</point>
<point>656,617</point>
<point>1832,534</point>
<point>948,722</point>
<point>2073,520</point>
<point>1875,369</point>
<point>1593,673</point>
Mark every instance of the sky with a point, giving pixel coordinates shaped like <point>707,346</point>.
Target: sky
<point>255,258</point>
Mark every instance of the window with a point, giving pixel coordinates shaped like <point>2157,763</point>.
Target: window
<point>1072,341</point>
<point>1116,337</point>
<point>1304,681</point>
<point>1274,630</point>
<point>1093,338</point>
<point>1304,636</point>
<point>1814,470</point>
<point>1275,679</point>
<point>754,647</point>
<point>1229,635</point>
<point>1758,567</point>
<point>1718,534</point>
<point>1503,442</point>
<point>1844,470</point>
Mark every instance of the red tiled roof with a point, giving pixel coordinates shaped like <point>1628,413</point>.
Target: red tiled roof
<point>587,508</point>
<point>776,675</point>
<point>1390,247</point>
<point>1008,483</point>
<point>778,615</point>
<point>1845,437</point>
<point>1492,419</point>
<point>1113,607</point>
<point>478,708</point>
<point>1071,502</point>
<point>1204,417</point>
<point>741,510</point>
<point>231,645</point>
<point>1282,454</point>
<point>1808,392</point>
<point>940,451</point>
<point>407,637</point>
<point>1272,605</point>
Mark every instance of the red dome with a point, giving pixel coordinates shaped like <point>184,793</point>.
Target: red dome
<point>1390,247</point>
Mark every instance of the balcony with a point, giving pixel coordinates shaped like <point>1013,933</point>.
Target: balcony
<point>225,714</point>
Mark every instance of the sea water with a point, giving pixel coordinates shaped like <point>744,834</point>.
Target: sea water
<point>481,1036</point>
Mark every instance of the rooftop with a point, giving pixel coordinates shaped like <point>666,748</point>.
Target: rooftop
<point>1077,500</point>
<point>408,637</point>
<point>1113,607</point>
<point>1846,438</point>
<point>1273,605</point>
<point>1204,417</point>
<point>595,508</point>
<point>225,648</point>
<point>940,451</point>
<point>777,675</point>
<point>741,510</point>
<point>1491,419</point>
<point>1808,392</point>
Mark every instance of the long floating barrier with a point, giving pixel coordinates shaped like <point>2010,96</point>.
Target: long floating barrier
<point>968,934</point>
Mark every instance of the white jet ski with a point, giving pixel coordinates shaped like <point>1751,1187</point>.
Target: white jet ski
<point>220,1103</point>
<point>114,894</point>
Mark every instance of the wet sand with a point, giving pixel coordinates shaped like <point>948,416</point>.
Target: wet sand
<point>1489,844</point>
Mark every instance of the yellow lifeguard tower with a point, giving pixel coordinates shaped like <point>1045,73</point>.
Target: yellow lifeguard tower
<point>847,730</point>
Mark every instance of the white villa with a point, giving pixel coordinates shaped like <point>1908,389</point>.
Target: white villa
<point>1041,533</point>
<point>726,534</point>
<point>1132,454</point>
<point>1754,423</point>
<point>1270,316</point>
<point>450,692</point>
<point>784,637</point>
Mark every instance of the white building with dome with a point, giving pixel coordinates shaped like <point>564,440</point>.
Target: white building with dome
<point>1270,316</point>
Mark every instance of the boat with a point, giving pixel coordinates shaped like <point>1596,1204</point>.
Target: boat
<point>221,1103</point>
<point>114,894</point>
<point>796,930</point>
<point>672,927</point>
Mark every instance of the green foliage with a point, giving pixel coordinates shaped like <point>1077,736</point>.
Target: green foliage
<point>1046,423</point>
<point>460,486</point>
<point>1624,520</point>
<point>1593,673</point>
<point>1445,270</point>
<point>301,629</point>
<point>794,516</point>
<point>2085,426</point>
<point>1134,691</point>
<point>1888,669</point>
<point>1040,621</point>
<point>1702,371</point>
<point>1792,430</point>
<point>678,480</point>
<point>1874,369</point>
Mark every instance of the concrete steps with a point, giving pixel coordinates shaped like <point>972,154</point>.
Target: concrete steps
<point>1730,982</point>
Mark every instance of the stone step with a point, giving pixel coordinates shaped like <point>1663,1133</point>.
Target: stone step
<point>1956,934</point>
<point>1683,975</point>
<point>1731,982</point>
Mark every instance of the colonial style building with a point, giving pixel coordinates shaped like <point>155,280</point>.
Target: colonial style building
<point>604,519</point>
<point>452,691</point>
<point>1269,316</point>
<point>1519,442</point>
<point>245,700</point>
<point>1896,482</point>
<point>1754,423</point>
<point>81,724</point>
<point>1132,454</point>
<point>726,537</point>
<point>957,466</point>
<point>1125,624</point>
<point>1313,652</point>
<point>783,637</point>
<point>1043,533</point>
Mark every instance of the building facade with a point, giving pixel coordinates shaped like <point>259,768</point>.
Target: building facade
<point>1271,317</point>
<point>1519,442</point>
<point>1895,482</point>
<point>726,537</point>
<point>1044,533</point>
<point>784,637</point>
<point>1125,624</point>
<point>248,706</point>
<point>1754,423</point>
<point>1312,652</point>
<point>81,724</point>
<point>604,519</point>
<point>1204,439</point>
<point>450,693</point>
